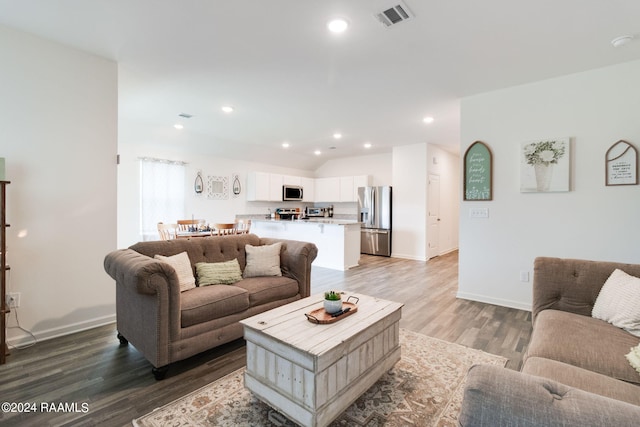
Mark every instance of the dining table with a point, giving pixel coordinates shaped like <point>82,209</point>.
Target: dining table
<point>193,234</point>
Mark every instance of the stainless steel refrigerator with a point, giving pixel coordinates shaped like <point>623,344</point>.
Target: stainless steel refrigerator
<point>374,207</point>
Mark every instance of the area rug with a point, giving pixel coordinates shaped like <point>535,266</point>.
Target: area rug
<point>423,389</point>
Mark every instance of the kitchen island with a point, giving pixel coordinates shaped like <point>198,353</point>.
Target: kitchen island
<point>338,240</point>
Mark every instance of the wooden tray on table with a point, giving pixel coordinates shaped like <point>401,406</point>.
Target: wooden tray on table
<point>320,316</point>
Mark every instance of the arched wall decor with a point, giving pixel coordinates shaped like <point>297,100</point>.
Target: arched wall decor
<point>478,172</point>
<point>621,163</point>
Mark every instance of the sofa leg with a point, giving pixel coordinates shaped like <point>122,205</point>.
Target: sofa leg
<point>122,339</point>
<point>160,373</point>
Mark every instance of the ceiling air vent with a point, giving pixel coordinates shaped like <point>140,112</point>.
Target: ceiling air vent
<point>394,13</point>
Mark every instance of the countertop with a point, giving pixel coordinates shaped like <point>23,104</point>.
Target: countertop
<point>318,220</point>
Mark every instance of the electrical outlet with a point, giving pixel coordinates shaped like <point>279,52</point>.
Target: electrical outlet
<point>13,299</point>
<point>524,276</point>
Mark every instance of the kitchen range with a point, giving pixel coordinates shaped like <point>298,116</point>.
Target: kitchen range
<point>307,213</point>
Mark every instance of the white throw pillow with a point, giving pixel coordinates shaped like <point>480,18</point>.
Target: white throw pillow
<point>182,265</point>
<point>619,302</point>
<point>263,260</point>
<point>634,358</point>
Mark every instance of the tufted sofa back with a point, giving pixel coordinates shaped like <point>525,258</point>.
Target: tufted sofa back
<point>203,249</point>
<point>571,284</point>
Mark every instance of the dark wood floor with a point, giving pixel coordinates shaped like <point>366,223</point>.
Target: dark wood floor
<point>116,382</point>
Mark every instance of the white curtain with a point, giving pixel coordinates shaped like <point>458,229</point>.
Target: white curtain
<point>161,194</point>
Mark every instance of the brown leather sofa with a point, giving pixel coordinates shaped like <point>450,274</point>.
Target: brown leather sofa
<point>167,325</point>
<point>575,372</point>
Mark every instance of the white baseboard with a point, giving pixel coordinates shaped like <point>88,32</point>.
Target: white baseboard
<point>417,258</point>
<point>24,338</point>
<point>411,257</point>
<point>448,251</point>
<point>495,301</point>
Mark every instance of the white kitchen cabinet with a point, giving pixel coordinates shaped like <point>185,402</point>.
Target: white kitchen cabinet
<point>257,186</point>
<point>360,181</point>
<point>327,189</point>
<point>308,189</point>
<point>275,187</point>
<point>346,189</point>
<point>292,180</point>
<point>262,186</point>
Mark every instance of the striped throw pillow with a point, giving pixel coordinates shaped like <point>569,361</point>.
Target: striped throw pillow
<point>218,273</point>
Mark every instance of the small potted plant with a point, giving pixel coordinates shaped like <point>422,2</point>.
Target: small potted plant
<point>332,302</point>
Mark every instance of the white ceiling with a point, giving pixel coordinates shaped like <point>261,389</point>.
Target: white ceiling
<point>289,79</point>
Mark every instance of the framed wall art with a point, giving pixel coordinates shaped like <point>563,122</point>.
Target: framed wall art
<point>544,165</point>
<point>622,164</point>
<point>217,187</point>
<point>478,172</point>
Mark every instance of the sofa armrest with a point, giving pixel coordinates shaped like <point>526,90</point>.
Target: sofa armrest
<point>147,302</point>
<point>137,271</point>
<point>295,261</point>
<point>571,284</point>
<point>496,396</point>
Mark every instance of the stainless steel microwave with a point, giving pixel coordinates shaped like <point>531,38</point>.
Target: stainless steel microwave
<point>291,192</point>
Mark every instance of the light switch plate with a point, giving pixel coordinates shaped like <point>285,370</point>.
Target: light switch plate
<point>479,213</point>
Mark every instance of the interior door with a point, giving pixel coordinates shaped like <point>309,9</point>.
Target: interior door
<point>433,217</point>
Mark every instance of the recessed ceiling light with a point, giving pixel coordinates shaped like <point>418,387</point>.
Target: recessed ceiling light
<point>367,145</point>
<point>428,119</point>
<point>285,145</point>
<point>227,109</point>
<point>317,152</point>
<point>338,25</point>
<point>621,41</point>
<point>178,126</point>
<point>337,135</point>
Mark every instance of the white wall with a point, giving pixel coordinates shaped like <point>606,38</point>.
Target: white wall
<point>409,234</point>
<point>592,221</point>
<point>412,165</point>
<point>58,119</point>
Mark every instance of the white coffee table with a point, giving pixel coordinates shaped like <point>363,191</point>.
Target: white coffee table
<point>312,372</point>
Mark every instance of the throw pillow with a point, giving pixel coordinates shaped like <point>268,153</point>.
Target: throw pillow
<point>619,302</point>
<point>182,265</point>
<point>263,260</point>
<point>218,273</point>
<point>634,358</point>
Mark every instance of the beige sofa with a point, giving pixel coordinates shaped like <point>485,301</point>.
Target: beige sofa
<point>575,372</point>
<point>167,325</point>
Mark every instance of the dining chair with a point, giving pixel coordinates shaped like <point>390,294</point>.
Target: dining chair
<point>243,226</point>
<point>167,231</point>
<point>190,224</point>
<point>223,229</point>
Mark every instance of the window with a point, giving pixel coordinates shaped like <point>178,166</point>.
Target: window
<point>161,194</point>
